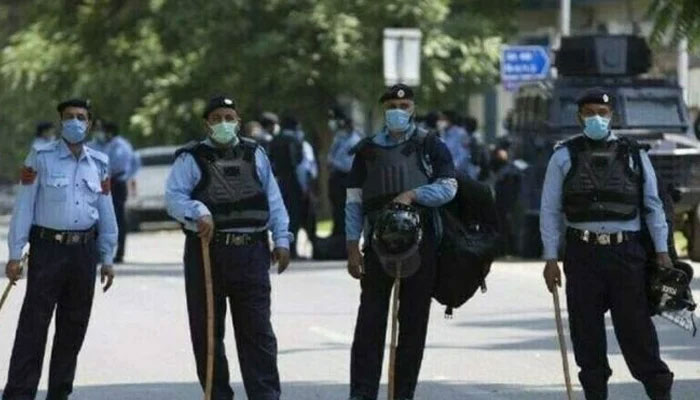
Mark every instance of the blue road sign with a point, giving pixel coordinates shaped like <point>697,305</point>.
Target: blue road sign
<point>524,63</point>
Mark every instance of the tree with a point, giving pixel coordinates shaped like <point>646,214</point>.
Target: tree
<point>676,18</point>
<point>150,65</point>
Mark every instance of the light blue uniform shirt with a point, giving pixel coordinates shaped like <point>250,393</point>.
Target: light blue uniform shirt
<point>185,175</point>
<point>457,141</point>
<point>124,163</point>
<point>339,156</point>
<point>552,216</point>
<point>41,141</point>
<point>66,195</point>
<point>433,194</point>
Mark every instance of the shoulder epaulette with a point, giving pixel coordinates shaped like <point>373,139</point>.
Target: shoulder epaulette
<point>188,148</point>
<point>97,155</point>
<point>572,141</point>
<point>44,147</point>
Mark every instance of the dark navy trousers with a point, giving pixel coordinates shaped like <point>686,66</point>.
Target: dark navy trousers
<point>241,276</point>
<point>120,193</point>
<point>372,319</point>
<point>60,278</point>
<point>602,278</point>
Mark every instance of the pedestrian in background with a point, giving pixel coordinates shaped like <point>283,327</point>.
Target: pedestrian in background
<point>458,142</point>
<point>287,155</point>
<point>65,212</point>
<point>340,158</point>
<point>269,122</point>
<point>44,134</point>
<point>124,163</point>
<point>307,173</point>
<point>222,189</point>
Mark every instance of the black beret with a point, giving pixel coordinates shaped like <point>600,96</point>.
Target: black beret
<point>269,117</point>
<point>218,102</point>
<point>81,103</point>
<point>398,91</point>
<point>596,95</point>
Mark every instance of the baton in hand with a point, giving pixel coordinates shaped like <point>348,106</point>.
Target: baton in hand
<point>562,344</point>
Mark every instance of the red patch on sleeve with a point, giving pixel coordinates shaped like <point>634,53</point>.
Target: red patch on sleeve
<point>27,175</point>
<point>106,186</point>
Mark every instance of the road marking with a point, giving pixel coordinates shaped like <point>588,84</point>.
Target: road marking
<point>331,335</point>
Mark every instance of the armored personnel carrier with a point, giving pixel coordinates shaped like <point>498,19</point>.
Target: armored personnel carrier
<point>650,110</point>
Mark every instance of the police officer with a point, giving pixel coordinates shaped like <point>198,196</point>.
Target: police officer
<point>340,162</point>
<point>269,122</point>
<point>124,163</point>
<point>307,174</point>
<point>65,212</point>
<point>223,189</point>
<point>604,188</point>
<point>287,156</point>
<point>44,134</point>
<point>406,165</point>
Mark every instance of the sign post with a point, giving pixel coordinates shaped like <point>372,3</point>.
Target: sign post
<point>523,64</point>
<point>402,55</point>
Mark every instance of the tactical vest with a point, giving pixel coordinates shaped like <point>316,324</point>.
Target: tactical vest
<point>601,185</point>
<point>230,186</point>
<point>392,170</point>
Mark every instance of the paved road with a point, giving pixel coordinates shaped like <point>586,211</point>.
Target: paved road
<point>499,346</point>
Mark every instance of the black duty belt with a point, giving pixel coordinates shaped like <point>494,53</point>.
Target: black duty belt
<point>239,239</point>
<point>600,239</point>
<point>235,238</point>
<point>63,237</point>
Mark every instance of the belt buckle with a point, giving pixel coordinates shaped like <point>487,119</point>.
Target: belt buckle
<point>585,236</point>
<point>58,237</point>
<point>238,240</point>
<point>603,239</point>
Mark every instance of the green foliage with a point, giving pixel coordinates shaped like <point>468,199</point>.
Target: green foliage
<point>677,19</point>
<point>151,64</point>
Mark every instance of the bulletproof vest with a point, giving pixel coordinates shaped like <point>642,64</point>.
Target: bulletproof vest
<point>230,186</point>
<point>601,185</point>
<point>392,170</point>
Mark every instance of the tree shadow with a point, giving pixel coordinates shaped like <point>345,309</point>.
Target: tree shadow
<point>434,390</point>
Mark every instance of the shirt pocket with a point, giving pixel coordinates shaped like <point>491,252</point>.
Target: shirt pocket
<point>56,188</point>
<point>91,190</point>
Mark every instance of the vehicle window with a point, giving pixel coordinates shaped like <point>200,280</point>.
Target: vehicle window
<point>569,112</point>
<point>642,112</point>
<point>157,159</point>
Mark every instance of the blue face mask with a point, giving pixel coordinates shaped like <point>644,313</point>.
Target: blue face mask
<point>596,127</point>
<point>74,130</point>
<point>397,120</point>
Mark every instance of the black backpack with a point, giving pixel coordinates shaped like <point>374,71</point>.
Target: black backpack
<point>470,243</point>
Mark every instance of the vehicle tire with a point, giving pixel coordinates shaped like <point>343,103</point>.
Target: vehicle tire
<point>694,239</point>
<point>133,222</point>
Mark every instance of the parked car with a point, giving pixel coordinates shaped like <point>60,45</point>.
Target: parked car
<point>146,201</point>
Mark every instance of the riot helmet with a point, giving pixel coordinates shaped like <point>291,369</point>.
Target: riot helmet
<point>396,238</point>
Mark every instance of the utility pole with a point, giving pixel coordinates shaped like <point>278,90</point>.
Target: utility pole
<point>565,18</point>
<point>683,65</point>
